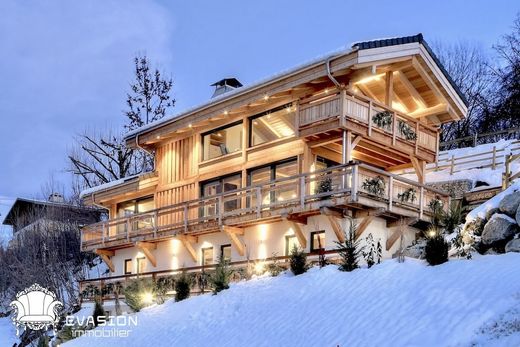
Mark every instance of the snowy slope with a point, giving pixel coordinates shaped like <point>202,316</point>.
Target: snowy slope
<point>456,304</point>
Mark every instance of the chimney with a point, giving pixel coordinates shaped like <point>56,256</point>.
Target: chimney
<point>56,197</point>
<point>225,85</point>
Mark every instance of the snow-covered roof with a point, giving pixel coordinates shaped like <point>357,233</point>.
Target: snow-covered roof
<point>105,186</point>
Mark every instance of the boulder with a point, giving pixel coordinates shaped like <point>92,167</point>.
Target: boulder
<point>491,212</point>
<point>500,228</point>
<point>513,246</point>
<point>518,216</point>
<point>509,204</point>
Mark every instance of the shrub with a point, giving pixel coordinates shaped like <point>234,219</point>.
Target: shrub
<point>374,185</point>
<point>436,250</point>
<point>220,279</point>
<point>452,219</point>
<point>162,286</point>
<point>274,267</point>
<point>99,312</point>
<point>383,119</point>
<point>349,250</point>
<point>374,253</point>
<point>324,186</point>
<point>298,261</point>
<point>409,195</point>
<point>182,287</point>
<point>135,292</point>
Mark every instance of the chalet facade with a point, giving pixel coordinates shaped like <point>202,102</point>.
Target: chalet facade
<point>287,161</point>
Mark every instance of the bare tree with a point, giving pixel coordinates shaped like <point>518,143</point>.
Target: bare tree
<point>101,158</point>
<point>150,98</point>
<point>469,67</point>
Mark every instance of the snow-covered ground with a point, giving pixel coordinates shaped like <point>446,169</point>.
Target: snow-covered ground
<point>461,303</point>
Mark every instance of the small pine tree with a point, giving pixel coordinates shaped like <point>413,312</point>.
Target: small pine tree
<point>182,287</point>
<point>349,250</point>
<point>220,279</point>
<point>379,251</point>
<point>99,312</point>
<point>436,250</point>
<point>371,253</point>
<point>298,261</point>
<point>43,341</point>
<point>134,293</point>
<point>274,267</point>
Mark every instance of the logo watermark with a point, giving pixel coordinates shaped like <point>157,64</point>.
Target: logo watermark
<point>114,326</point>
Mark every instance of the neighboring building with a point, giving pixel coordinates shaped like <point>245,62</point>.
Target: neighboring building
<point>286,161</point>
<point>31,214</point>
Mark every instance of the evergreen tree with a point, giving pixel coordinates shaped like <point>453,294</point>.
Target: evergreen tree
<point>349,251</point>
<point>298,261</point>
<point>220,279</point>
<point>99,312</point>
<point>436,250</point>
<point>182,287</point>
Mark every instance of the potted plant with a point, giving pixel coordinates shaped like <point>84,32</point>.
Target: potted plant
<point>374,185</point>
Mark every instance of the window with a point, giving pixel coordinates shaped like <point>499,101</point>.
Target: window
<point>222,141</point>
<point>290,242</point>
<point>272,125</point>
<point>317,240</point>
<point>128,208</point>
<point>217,186</point>
<point>225,252</point>
<point>207,256</point>
<point>128,266</point>
<point>141,265</point>
<point>322,164</point>
<point>286,190</point>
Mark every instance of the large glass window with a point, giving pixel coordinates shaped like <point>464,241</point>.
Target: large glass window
<point>128,266</point>
<point>225,252</point>
<point>272,125</point>
<point>222,141</point>
<point>217,186</point>
<point>141,265</point>
<point>290,242</point>
<point>283,191</point>
<point>317,240</point>
<point>129,208</point>
<point>207,256</point>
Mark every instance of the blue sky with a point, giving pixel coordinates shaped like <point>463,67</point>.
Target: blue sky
<point>65,66</point>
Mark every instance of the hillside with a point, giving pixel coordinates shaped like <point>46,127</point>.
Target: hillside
<point>460,303</point>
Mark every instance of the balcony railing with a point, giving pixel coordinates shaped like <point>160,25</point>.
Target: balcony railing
<point>336,186</point>
<point>361,110</point>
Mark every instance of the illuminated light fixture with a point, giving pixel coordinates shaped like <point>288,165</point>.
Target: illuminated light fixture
<point>226,112</point>
<point>326,90</point>
<point>190,125</point>
<point>158,137</point>
<point>369,79</point>
<point>219,134</point>
<point>147,298</point>
<point>259,268</point>
<point>293,196</point>
<point>266,97</point>
<point>398,106</point>
<point>255,122</point>
<point>432,233</point>
<point>289,109</point>
<point>280,198</point>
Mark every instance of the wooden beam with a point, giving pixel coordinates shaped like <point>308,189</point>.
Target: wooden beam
<point>105,256</point>
<point>419,167</point>
<point>427,79</point>
<point>146,248</point>
<point>363,226</point>
<point>295,218</point>
<point>356,141</point>
<point>396,234</point>
<point>400,224</point>
<point>234,230</point>
<point>371,212</point>
<point>331,211</point>
<point>186,241</point>
<point>430,111</point>
<point>336,227</point>
<point>232,234</point>
<point>399,167</point>
<point>411,89</point>
<point>389,88</point>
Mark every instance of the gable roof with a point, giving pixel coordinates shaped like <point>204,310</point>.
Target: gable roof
<point>411,39</point>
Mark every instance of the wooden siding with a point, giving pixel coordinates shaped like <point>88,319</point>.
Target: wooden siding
<point>177,160</point>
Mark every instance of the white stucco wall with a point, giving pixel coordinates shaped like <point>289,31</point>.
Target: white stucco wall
<point>261,242</point>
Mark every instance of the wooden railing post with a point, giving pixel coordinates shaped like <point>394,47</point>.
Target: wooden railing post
<point>258,193</point>
<point>103,231</point>
<point>220,209</point>
<point>394,128</point>
<point>421,202</point>
<point>452,166</point>
<point>185,213</point>
<point>494,163</point>
<point>354,188</point>
<point>417,130</point>
<point>302,192</point>
<point>390,192</point>
<point>370,118</point>
<point>128,228</point>
<point>155,223</point>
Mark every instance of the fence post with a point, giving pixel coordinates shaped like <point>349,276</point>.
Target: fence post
<point>494,164</point>
<point>390,192</point>
<point>452,166</point>
<point>475,140</point>
<point>507,173</point>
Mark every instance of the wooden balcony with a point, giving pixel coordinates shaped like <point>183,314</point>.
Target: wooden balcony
<point>323,115</point>
<point>297,196</point>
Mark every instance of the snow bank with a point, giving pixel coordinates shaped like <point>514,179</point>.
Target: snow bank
<point>392,304</point>
<point>482,210</point>
<point>7,332</point>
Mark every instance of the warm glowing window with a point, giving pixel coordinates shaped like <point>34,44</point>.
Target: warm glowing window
<point>225,252</point>
<point>141,265</point>
<point>317,240</point>
<point>217,186</point>
<point>128,208</point>
<point>272,125</point>
<point>207,256</point>
<point>290,242</point>
<point>128,266</point>
<point>222,141</point>
<point>281,192</point>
